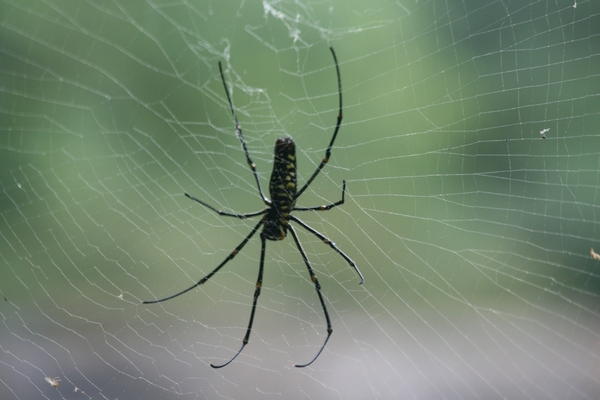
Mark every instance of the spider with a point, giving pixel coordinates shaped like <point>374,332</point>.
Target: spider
<point>276,217</point>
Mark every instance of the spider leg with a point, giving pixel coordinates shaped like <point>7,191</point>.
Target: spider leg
<point>313,278</point>
<point>335,132</point>
<point>256,294</point>
<point>238,131</point>
<point>325,208</point>
<point>331,244</point>
<point>214,271</point>
<point>226,214</point>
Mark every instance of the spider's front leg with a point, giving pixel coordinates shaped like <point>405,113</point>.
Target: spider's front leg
<point>332,245</point>
<point>254,302</point>
<point>314,279</point>
<point>214,271</point>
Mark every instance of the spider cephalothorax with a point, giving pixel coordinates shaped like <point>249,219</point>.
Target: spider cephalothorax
<point>276,217</point>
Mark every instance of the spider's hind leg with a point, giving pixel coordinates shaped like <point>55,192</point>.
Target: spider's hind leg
<point>328,207</point>
<point>227,214</point>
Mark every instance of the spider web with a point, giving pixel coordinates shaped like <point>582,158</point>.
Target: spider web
<point>470,150</point>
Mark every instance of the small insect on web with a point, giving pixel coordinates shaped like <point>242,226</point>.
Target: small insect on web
<point>276,217</point>
<point>52,381</point>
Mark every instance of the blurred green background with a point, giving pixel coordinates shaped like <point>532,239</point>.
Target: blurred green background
<point>473,232</point>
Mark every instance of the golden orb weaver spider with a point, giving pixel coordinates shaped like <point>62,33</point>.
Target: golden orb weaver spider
<point>277,215</point>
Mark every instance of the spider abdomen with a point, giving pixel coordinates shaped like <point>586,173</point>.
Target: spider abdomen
<point>282,189</point>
